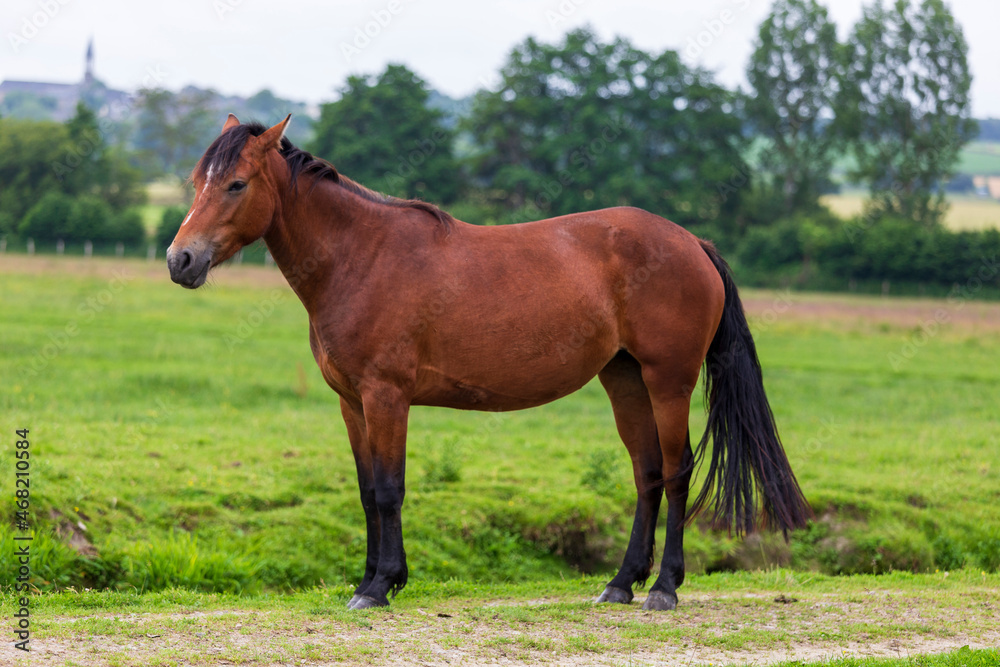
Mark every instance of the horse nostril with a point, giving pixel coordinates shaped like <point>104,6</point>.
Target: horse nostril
<point>184,261</point>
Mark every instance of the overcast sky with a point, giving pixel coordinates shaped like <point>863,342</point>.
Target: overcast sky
<point>305,49</point>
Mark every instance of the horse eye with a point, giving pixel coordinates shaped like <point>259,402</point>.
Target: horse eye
<point>237,186</point>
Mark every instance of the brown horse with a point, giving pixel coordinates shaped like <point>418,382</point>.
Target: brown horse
<point>408,306</point>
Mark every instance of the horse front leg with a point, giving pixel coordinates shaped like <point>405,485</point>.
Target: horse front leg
<point>354,418</point>
<point>386,411</point>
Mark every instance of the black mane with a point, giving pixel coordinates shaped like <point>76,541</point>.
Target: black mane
<point>222,156</point>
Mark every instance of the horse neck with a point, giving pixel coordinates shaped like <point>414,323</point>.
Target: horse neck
<point>319,232</point>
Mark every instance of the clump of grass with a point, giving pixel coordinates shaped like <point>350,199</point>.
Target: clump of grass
<point>963,657</point>
<point>177,560</point>
<point>605,472</point>
<point>987,551</point>
<point>442,463</point>
<point>242,501</point>
<point>948,553</point>
<point>53,565</point>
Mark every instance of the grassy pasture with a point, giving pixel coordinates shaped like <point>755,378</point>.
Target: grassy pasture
<point>185,427</point>
<point>980,157</point>
<point>186,439</point>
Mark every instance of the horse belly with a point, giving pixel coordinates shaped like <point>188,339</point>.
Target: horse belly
<point>514,370</point>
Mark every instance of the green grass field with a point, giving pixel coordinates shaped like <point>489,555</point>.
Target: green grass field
<point>186,439</point>
<point>980,157</point>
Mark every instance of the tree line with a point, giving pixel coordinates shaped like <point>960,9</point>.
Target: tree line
<point>66,181</point>
<point>583,124</point>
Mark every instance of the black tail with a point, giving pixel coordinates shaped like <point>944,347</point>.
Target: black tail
<point>748,462</point>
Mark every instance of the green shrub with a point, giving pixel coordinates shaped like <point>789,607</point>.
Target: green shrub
<point>48,220</point>
<point>90,220</point>
<point>8,223</point>
<point>901,251</point>
<point>475,213</point>
<point>170,223</point>
<point>127,227</point>
<point>772,246</point>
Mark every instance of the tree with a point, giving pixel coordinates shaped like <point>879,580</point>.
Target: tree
<point>70,159</point>
<point>25,104</point>
<point>174,129</point>
<point>794,79</point>
<point>382,133</point>
<point>28,149</point>
<point>267,108</point>
<point>906,107</point>
<point>583,125</point>
<point>90,166</point>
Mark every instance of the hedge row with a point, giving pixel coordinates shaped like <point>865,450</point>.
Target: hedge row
<point>826,250</point>
<point>57,216</point>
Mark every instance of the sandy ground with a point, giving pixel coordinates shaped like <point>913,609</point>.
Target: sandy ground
<point>812,629</point>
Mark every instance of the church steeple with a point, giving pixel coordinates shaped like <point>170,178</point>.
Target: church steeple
<point>88,75</point>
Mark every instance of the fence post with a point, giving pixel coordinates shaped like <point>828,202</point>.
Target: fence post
<point>119,249</point>
<point>151,252</point>
<point>88,248</point>
<point>3,245</point>
<point>60,247</point>
<point>31,246</point>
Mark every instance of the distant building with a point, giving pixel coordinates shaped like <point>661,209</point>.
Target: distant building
<point>88,71</point>
<point>57,101</point>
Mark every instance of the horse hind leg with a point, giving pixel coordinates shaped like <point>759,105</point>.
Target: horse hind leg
<point>671,401</point>
<point>622,380</point>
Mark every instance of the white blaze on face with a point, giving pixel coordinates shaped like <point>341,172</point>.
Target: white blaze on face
<point>208,179</point>
<point>208,182</point>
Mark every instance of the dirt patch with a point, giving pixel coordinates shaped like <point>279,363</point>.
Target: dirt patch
<point>707,629</point>
<point>894,312</point>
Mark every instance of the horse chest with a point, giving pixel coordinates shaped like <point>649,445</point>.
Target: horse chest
<point>336,377</point>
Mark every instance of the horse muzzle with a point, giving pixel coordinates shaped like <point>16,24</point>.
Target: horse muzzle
<point>189,267</point>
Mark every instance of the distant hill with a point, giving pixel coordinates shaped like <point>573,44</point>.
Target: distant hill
<point>989,129</point>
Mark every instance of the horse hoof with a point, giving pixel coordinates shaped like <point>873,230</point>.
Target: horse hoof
<point>365,602</point>
<point>354,601</point>
<point>660,601</point>
<point>616,595</point>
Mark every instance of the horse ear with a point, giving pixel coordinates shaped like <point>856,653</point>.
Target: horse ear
<point>272,137</point>
<point>231,122</point>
